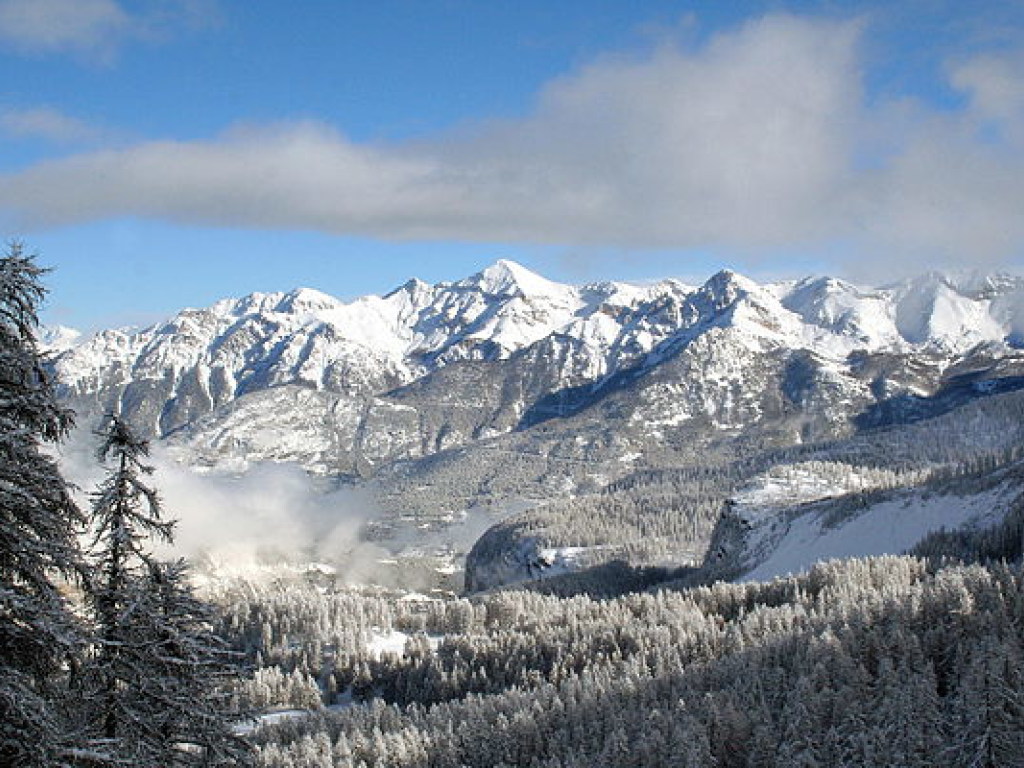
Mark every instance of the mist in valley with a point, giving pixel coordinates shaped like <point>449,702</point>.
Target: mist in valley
<point>271,516</point>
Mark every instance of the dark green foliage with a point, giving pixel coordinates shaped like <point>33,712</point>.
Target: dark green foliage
<point>190,674</point>
<point>1001,541</point>
<point>612,579</point>
<point>126,512</point>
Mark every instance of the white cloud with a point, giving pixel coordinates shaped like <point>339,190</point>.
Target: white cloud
<point>94,28</point>
<point>301,175</point>
<point>732,144</point>
<point>47,123</point>
<point>272,510</point>
<point>759,140</point>
<point>995,85</point>
<point>59,25</point>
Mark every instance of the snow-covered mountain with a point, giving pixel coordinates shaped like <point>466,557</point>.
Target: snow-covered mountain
<point>506,385</point>
<point>204,363</point>
<point>543,345</point>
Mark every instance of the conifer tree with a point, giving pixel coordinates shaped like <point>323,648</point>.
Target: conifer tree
<point>154,681</point>
<point>38,526</point>
<point>191,667</point>
<point>126,512</point>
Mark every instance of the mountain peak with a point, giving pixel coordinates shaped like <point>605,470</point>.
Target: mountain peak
<point>506,277</point>
<point>726,286</point>
<point>57,338</point>
<point>305,300</point>
<point>413,287</point>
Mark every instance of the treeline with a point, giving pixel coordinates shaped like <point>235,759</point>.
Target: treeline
<point>877,662</point>
<point>1003,540</point>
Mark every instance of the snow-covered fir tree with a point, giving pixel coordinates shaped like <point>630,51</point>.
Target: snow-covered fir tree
<point>890,661</point>
<point>38,523</point>
<point>120,710</point>
<point>152,688</point>
<point>190,674</point>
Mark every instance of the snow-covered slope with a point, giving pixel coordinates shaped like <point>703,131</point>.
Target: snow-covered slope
<point>889,526</point>
<point>349,388</point>
<point>784,521</point>
<point>200,360</point>
<point>58,338</point>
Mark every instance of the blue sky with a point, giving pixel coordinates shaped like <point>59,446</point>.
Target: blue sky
<point>166,153</point>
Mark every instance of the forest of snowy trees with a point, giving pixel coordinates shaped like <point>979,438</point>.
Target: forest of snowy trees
<point>890,661</point>
<point>110,658</point>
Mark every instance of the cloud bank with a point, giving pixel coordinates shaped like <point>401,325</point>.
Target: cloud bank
<point>757,141</point>
<point>46,26</point>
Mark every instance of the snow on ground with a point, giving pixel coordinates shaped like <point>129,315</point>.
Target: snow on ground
<point>392,642</point>
<point>269,718</point>
<point>786,485</point>
<point>560,560</point>
<point>889,527</point>
<point>568,555</point>
<point>416,597</point>
<point>247,728</point>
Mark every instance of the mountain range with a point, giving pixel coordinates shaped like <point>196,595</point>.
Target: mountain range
<point>507,398</point>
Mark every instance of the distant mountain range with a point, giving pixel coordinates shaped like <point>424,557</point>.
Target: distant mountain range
<point>508,389</point>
